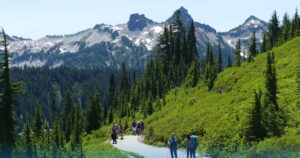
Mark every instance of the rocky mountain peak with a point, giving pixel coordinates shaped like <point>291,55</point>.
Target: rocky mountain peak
<point>138,22</point>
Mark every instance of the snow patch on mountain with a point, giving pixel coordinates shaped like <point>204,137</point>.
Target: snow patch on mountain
<point>30,63</point>
<point>157,29</point>
<point>58,64</point>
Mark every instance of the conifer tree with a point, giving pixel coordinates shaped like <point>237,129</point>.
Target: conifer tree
<point>124,86</point>
<point>94,114</point>
<point>220,59</point>
<point>295,25</point>
<point>149,109</point>
<point>271,81</point>
<point>256,131</point>
<point>77,127</point>
<point>274,30</point>
<point>124,91</point>
<point>238,53</point>
<point>209,55</point>
<point>252,48</point>
<point>57,139</point>
<point>264,47</point>
<point>273,118</point>
<point>27,140</point>
<point>53,111</point>
<point>7,122</point>
<point>55,134</point>
<point>229,63</point>
<point>193,75</point>
<point>38,123</point>
<point>285,31</point>
<point>210,68</point>
<point>68,116</point>
<point>112,91</point>
<point>192,49</point>
<point>110,116</point>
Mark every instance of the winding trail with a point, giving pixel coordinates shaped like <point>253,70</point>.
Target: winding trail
<point>133,144</point>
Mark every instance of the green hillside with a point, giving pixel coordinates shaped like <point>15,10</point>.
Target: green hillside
<point>221,115</point>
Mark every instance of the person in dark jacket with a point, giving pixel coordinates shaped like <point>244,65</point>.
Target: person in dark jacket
<point>114,134</point>
<point>134,127</point>
<point>189,146</point>
<point>138,128</point>
<point>173,146</point>
<point>194,145</point>
<point>121,129</point>
<point>142,127</point>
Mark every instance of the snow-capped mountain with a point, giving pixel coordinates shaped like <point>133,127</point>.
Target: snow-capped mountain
<point>102,46</point>
<point>110,45</point>
<point>245,31</point>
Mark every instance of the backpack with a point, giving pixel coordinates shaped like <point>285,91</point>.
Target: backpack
<point>194,140</point>
<point>173,143</point>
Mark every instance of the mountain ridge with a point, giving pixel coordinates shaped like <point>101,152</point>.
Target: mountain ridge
<point>131,43</point>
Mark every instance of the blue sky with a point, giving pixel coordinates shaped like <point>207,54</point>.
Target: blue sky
<point>37,18</point>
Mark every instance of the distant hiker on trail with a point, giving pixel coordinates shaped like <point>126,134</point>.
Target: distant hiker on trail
<point>134,127</point>
<point>114,135</point>
<point>142,127</point>
<point>189,146</point>
<point>173,146</point>
<point>138,128</point>
<point>194,145</point>
<point>121,130</point>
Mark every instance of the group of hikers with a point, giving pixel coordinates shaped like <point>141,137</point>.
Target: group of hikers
<point>138,127</point>
<point>191,145</point>
<point>191,140</point>
<point>117,129</point>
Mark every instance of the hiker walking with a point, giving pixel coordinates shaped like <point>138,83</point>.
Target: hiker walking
<point>142,127</point>
<point>194,145</point>
<point>121,129</point>
<point>114,134</point>
<point>138,128</point>
<point>173,146</point>
<point>134,127</point>
<point>189,146</point>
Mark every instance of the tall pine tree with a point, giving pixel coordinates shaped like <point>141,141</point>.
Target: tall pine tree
<point>210,68</point>
<point>193,75</point>
<point>7,122</point>
<point>27,140</point>
<point>274,30</point>
<point>220,59</point>
<point>238,53</point>
<point>273,118</point>
<point>286,27</point>
<point>111,100</point>
<point>256,131</point>
<point>68,116</point>
<point>252,48</point>
<point>192,49</point>
<point>229,63</point>
<point>295,25</point>
<point>94,114</point>
<point>38,123</point>
<point>264,45</point>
